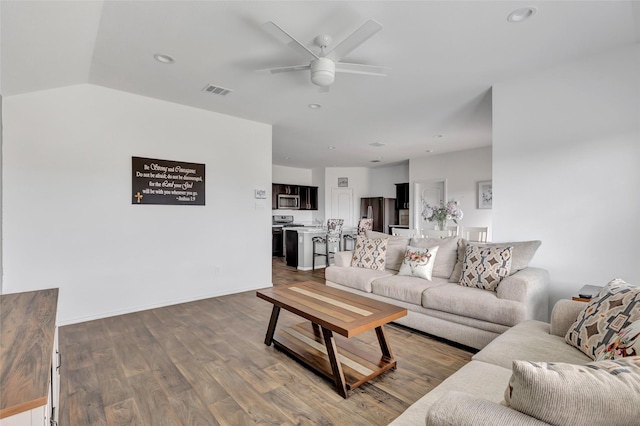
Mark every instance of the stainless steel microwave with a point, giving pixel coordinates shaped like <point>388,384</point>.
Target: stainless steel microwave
<point>288,202</point>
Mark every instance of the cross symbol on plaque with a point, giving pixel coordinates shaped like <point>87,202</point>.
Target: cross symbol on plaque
<point>138,196</point>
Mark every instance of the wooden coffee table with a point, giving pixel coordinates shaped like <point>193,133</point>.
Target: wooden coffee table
<point>330,311</point>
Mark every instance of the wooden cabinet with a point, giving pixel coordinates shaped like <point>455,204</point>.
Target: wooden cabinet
<point>402,196</point>
<point>308,198</point>
<point>29,359</point>
<point>308,195</point>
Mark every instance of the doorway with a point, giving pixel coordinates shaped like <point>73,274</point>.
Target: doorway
<point>342,205</point>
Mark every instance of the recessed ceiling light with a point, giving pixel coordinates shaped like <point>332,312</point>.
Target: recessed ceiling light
<point>377,144</point>
<point>332,147</point>
<point>287,158</point>
<point>437,136</point>
<point>429,150</point>
<point>315,106</point>
<point>522,14</point>
<point>165,59</point>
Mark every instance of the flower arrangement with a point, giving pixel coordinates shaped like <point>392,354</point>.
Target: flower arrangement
<point>442,213</point>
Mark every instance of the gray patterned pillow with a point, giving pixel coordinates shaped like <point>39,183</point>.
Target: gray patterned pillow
<point>597,393</point>
<point>613,309</point>
<point>485,267</point>
<point>369,253</point>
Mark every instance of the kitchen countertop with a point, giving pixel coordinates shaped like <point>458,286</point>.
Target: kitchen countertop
<point>317,230</point>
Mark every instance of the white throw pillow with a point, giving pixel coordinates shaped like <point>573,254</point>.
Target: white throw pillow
<point>418,262</point>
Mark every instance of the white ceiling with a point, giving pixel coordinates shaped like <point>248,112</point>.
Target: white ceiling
<point>444,57</point>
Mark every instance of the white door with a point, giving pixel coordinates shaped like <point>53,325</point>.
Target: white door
<point>342,205</point>
<point>432,192</point>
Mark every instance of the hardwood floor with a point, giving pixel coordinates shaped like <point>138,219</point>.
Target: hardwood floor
<point>205,363</point>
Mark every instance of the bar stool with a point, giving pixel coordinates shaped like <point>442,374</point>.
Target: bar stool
<point>363,226</point>
<point>334,229</point>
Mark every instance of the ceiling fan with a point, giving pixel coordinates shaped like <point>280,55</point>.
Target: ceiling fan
<point>326,64</point>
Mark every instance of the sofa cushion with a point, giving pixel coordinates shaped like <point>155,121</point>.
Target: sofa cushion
<point>418,262</point>
<point>529,340</point>
<point>485,267</point>
<point>475,378</point>
<point>357,278</point>
<point>614,308</point>
<point>625,343</point>
<point>396,246</point>
<point>523,252</point>
<point>474,303</point>
<point>598,393</point>
<point>407,289</point>
<point>370,253</point>
<point>447,253</point>
<point>461,408</point>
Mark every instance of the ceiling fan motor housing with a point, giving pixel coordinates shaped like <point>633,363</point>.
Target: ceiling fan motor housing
<point>323,72</point>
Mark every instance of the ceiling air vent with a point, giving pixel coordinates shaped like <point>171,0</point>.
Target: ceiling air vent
<point>216,90</point>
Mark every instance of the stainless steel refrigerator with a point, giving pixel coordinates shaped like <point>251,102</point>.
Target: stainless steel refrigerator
<point>383,212</point>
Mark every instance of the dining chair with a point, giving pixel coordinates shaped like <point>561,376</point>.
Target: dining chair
<point>453,230</point>
<point>363,226</point>
<point>433,233</point>
<point>334,230</point>
<point>475,233</point>
<point>403,232</point>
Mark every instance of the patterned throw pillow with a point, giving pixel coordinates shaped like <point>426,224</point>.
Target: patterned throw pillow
<point>485,267</point>
<point>612,310</point>
<point>597,393</point>
<point>369,253</point>
<point>418,262</point>
<point>623,344</point>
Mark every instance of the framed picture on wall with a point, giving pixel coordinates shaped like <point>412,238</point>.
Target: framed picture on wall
<point>485,195</point>
<point>343,182</point>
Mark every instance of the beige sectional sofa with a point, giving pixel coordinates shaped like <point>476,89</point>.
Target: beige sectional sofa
<point>440,306</point>
<point>477,389</point>
<point>563,385</point>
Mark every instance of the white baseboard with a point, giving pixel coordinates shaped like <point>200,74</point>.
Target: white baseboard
<point>157,305</point>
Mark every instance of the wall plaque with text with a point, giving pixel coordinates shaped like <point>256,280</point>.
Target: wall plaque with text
<point>167,182</point>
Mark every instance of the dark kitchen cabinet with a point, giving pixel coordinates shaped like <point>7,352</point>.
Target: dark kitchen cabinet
<point>291,247</point>
<point>402,196</point>
<point>277,242</point>
<point>308,198</point>
<point>285,189</point>
<point>308,195</point>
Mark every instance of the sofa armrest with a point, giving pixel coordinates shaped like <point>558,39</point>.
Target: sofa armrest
<point>343,258</point>
<point>460,409</point>
<point>529,286</point>
<point>564,314</point>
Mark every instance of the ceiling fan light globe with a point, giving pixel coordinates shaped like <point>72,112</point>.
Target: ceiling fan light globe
<point>323,72</point>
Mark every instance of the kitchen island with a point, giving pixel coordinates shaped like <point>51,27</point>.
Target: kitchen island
<point>305,245</point>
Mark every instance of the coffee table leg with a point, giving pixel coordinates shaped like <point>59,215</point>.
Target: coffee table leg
<point>272,325</point>
<point>384,345</point>
<point>336,366</point>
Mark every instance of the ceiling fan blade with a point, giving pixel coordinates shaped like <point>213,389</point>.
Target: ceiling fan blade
<point>287,69</point>
<point>273,29</point>
<point>361,69</point>
<point>356,38</point>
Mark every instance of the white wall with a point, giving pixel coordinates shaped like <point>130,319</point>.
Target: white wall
<point>68,218</point>
<point>462,171</point>
<point>383,180</point>
<point>291,175</point>
<point>566,158</point>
